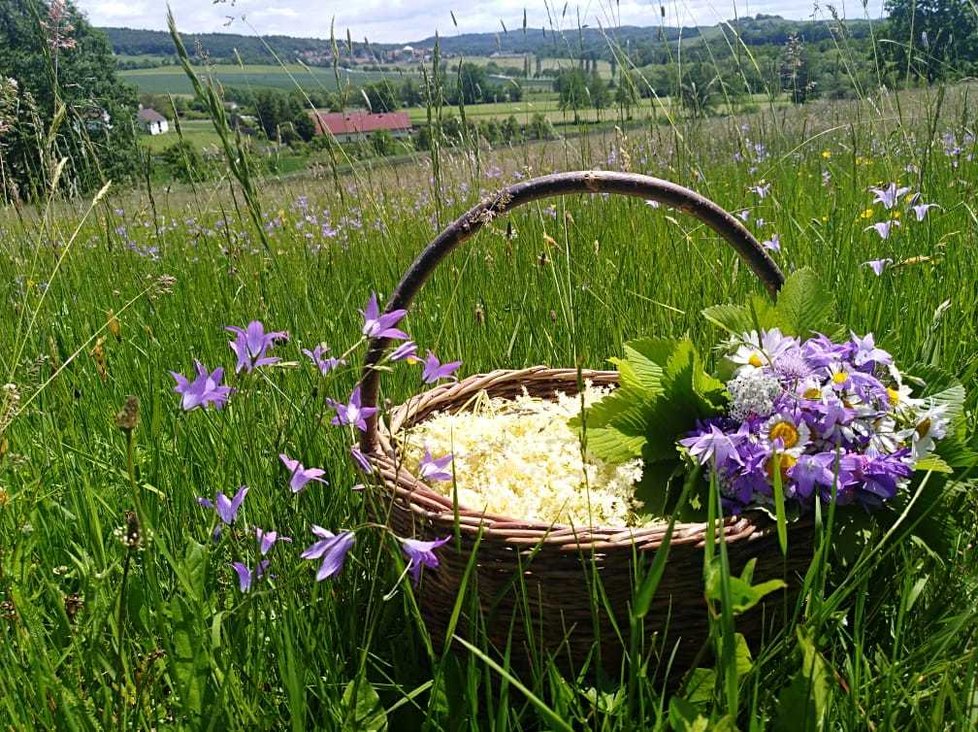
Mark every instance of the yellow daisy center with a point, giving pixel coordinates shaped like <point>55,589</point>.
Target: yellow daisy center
<point>812,393</point>
<point>893,394</point>
<point>840,377</point>
<point>755,360</point>
<point>785,462</point>
<point>786,432</point>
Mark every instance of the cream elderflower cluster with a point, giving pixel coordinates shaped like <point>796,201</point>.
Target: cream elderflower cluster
<point>521,458</point>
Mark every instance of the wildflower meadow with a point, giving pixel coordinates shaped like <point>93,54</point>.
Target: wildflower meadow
<point>192,538</point>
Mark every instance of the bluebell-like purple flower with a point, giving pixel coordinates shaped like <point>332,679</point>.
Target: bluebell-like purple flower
<point>300,475</point>
<point>434,370</point>
<point>360,459</point>
<point>883,227</point>
<point>331,548</point>
<point>920,209</point>
<point>204,390</point>
<point>226,508</point>
<point>407,351</point>
<point>268,539</point>
<point>710,442</point>
<point>812,470</point>
<point>376,325</point>
<point>251,345</point>
<point>247,576</point>
<point>421,554</point>
<point>889,196</point>
<point>878,265</point>
<point>761,189</point>
<point>352,412</point>
<point>324,363</point>
<point>773,244</point>
<point>435,468</point>
<point>867,354</point>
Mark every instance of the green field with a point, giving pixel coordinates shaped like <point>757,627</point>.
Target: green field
<point>119,608</point>
<point>172,79</point>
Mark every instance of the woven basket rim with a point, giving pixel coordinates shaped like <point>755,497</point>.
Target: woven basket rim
<point>440,509</point>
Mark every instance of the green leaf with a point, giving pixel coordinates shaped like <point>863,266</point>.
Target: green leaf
<point>934,463</point>
<point>804,702</point>
<point>734,319</point>
<point>804,305</point>
<point>686,717</point>
<point>700,685</point>
<point>743,594</point>
<point>363,710</point>
<point>612,445</point>
<point>744,660</point>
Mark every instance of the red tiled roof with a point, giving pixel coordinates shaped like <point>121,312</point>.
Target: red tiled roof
<point>350,123</point>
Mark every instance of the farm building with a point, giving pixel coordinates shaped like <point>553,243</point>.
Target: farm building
<point>352,126</point>
<point>152,121</point>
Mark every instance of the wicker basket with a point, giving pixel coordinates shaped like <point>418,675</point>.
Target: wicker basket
<point>550,610</point>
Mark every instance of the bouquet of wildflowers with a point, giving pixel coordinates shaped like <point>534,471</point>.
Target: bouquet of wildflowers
<point>790,416</point>
<point>824,419</point>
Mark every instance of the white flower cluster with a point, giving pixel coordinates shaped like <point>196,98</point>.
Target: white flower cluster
<point>520,458</point>
<point>752,392</point>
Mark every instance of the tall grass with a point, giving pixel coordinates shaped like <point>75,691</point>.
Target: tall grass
<point>95,632</point>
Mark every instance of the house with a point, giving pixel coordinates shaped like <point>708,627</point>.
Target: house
<point>353,126</point>
<point>152,121</point>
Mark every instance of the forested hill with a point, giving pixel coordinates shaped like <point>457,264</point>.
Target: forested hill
<point>573,42</point>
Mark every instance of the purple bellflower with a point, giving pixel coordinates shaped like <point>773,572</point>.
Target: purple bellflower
<point>920,210</point>
<point>300,474</point>
<point>773,244</point>
<point>878,265</point>
<point>435,369</point>
<point>883,228</point>
<point>435,468</point>
<point>268,539</point>
<point>203,390</point>
<point>376,325</point>
<point>226,508</point>
<point>421,553</point>
<point>407,351</point>
<point>246,576</point>
<point>360,459</point>
<point>889,196</point>
<point>331,548</point>
<point>352,412</point>
<point>324,363</point>
<point>252,344</point>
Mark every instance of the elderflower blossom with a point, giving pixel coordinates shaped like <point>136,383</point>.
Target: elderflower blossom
<point>521,458</point>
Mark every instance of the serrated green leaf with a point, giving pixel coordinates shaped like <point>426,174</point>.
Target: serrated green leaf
<point>734,319</point>
<point>612,445</point>
<point>933,463</point>
<point>804,305</point>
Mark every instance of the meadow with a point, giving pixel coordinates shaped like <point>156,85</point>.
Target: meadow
<point>120,608</point>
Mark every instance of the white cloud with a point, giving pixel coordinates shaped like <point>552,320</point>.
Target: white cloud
<point>391,21</point>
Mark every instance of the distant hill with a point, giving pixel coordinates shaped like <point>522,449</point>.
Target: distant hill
<point>590,43</point>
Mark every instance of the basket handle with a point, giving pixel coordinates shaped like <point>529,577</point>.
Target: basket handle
<point>558,184</point>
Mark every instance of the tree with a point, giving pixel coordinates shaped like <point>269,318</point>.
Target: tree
<point>410,92</point>
<point>274,109</point>
<point>795,71</point>
<point>473,83</point>
<point>571,85</point>
<point>598,91</point>
<point>63,102</point>
<point>381,96</point>
<point>626,95</point>
<point>933,39</point>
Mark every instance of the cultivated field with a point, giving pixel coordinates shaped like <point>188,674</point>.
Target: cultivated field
<point>120,607</point>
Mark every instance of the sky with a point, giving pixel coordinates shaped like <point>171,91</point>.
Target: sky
<point>395,21</point>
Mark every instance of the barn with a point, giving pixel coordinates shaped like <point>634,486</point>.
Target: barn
<point>354,126</point>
